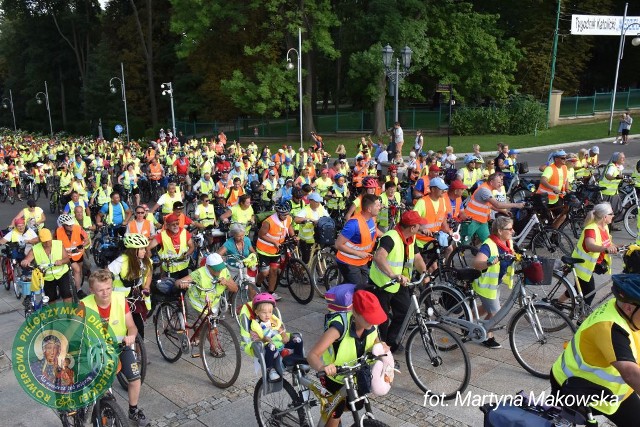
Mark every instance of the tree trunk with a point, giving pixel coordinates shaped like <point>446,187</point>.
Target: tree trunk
<point>379,120</point>
<point>147,50</point>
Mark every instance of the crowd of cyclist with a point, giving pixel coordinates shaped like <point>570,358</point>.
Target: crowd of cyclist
<point>385,220</point>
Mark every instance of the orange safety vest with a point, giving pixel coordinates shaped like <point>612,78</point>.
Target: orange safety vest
<point>277,230</point>
<point>367,239</point>
<point>146,228</point>
<point>555,181</point>
<point>155,171</point>
<point>151,153</point>
<point>434,217</point>
<point>454,213</point>
<point>477,211</point>
<point>75,241</point>
<point>181,220</point>
<point>278,159</point>
<point>234,196</point>
<point>222,188</point>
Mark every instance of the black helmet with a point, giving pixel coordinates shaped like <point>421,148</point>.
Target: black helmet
<point>283,207</point>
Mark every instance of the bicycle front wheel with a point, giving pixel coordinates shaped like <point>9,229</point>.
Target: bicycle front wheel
<point>6,265</point>
<point>630,220</point>
<point>298,278</point>
<point>275,409</point>
<point>538,334</point>
<point>242,297</point>
<point>551,244</point>
<point>220,353</point>
<point>332,277</point>
<point>109,414</point>
<point>319,265</point>
<point>437,360</point>
<point>168,325</point>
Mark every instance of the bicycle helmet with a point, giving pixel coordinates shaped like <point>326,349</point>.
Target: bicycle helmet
<point>223,157</point>
<point>626,288</point>
<point>393,168</point>
<point>469,158</point>
<point>264,297</point>
<point>283,207</point>
<point>369,182</point>
<point>136,241</point>
<point>337,176</point>
<point>65,219</point>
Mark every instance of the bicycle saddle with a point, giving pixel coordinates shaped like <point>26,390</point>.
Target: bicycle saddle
<point>468,274</point>
<point>294,359</point>
<point>571,261</point>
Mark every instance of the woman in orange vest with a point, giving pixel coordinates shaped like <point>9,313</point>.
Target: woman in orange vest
<point>140,224</point>
<point>74,239</point>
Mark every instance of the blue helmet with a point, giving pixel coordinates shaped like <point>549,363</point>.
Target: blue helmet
<point>626,288</point>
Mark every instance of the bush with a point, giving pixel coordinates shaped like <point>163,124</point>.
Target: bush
<point>518,116</point>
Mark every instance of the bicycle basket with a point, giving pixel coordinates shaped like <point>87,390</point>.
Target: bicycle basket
<point>539,272</point>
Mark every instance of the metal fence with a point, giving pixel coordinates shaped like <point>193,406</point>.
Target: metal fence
<point>573,106</point>
<point>347,121</point>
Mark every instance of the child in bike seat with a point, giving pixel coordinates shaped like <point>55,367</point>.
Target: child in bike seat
<point>260,323</point>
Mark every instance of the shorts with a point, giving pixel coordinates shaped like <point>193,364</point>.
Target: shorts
<point>130,365</point>
<point>58,288</point>
<point>491,305</point>
<point>625,132</point>
<point>134,191</point>
<point>265,262</point>
<point>481,229</point>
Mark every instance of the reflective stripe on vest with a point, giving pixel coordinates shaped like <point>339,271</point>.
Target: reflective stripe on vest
<point>277,231</point>
<point>367,239</point>
<point>572,364</point>
<point>396,261</point>
<point>133,228</point>
<point>110,213</point>
<point>434,218</point>
<point>487,284</point>
<point>117,314</point>
<point>168,249</point>
<point>611,186</point>
<point>585,269</point>
<point>206,214</point>
<point>477,211</point>
<point>41,257</point>
<point>544,188</point>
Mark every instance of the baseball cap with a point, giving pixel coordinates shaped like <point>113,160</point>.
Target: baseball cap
<point>178,205</point>
<point>514,151</point>
<point>558,153</point>
<point>457,185</point>
<point>272,172</point>
<point>595,149</point>
<point>237,164</point>
<point>19,221</point>
<point>438,182</point>
<point>171,218</point>
<point>315,197</point>
<point>215,261</point>
<point>367,305</point>
<point>44,235</point>
<point>412,218</point>
<point>434,168</point>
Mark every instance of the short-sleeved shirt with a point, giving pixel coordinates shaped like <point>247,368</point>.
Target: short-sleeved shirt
<point>82,203</point>
<point>28,234</point>
<point>117,212</point>
<point>548,172</point>
<point>592,234</point>
<point>351,230</point>
<point>504,264</point>
<point>482,195</point>
<point>399,133</point>
<point>182,166</point>
<point>232,249</point>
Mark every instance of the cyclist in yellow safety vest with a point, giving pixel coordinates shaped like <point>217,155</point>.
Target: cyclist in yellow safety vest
<point>176,246</point>
<point>33,215</point>
<point>307,219</point>
<point>389,196</point>
<point>241,213</point>
<point>205,212</point>
<point>602,360</point>
<point>168,199</point>
<point>610,181</point>
<point>114,310</point>
<point>324,183</point>
<point>496,268</point>
<point>115,212</point>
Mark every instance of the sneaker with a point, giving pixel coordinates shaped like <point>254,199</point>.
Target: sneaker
<point>491,343</point>
<point>276,296</point>
<point>274,376</point>
<point>138,417</point>
<point>615,142</point>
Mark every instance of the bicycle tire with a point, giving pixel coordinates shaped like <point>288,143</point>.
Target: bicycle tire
<point>111,414</point>
<point>228,352</point>
<point>53,203</point>
<point>318,268</point>
<point>240,298</point>
<point>268,408</point>
<point>35,194</point>
<point>445,300</point>
<point>17,285</point>
<point>552,293</point>
<point>537,350</point>
<point>370,422</point>
<point>3,195</point>
<point>549,243</point>
<point>332,277</point>
<point>5,274</point>
<point>141,353</point>
<point>630,220</point>
<point>299,279</point>
<point>168,329</point>
<point>437,361</point>
<point>12,196</point>
<point>462,256</point>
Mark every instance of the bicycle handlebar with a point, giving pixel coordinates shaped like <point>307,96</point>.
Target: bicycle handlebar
<point>410,283</point>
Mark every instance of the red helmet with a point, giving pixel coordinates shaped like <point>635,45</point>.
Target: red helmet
<point>393,168</point>
<point>369,182</point>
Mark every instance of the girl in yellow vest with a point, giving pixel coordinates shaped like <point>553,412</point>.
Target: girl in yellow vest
<point>495,270</point>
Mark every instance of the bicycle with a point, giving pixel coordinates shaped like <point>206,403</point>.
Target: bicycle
<point>218,348</point>
<point>291,404</point>
<point>29,188</point>
<point>434,354</point>
<point>245,287</point>
<point>135,296</point>
<point>293,273</point>
<point>106,245</point>
<point>10,267</point>
<point>537,331</point>
<point>54,198</point>
<point>321,259</point>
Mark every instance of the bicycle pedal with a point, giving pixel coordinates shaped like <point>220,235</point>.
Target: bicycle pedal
<point>196,355</point>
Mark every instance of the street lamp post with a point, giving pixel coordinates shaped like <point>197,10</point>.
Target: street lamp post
<point>634,42</point>
<point>45,94</point>
<point>124,97</point>
<point>290,67</point>
<point>168,90</point>
<point>10,104</point>
<point>396,75</point>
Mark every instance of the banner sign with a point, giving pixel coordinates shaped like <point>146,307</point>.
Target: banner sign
<point>603,25</point>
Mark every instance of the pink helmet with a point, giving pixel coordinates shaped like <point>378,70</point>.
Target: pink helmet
<point>370,182</point>
<point>264,297</point>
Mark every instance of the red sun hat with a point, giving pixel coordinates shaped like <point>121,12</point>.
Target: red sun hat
<point>367,305</point>
<point>434,168</point>
<point>457,185</point>
<point>171,218</point>
<point>412,218</point>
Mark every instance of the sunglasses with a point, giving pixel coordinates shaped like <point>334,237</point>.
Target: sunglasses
<point>561,158</point>
<point>508,229</point>
<point>140,213</point>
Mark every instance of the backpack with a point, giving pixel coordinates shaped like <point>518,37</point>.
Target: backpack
<point>631,260</point>
<point>339,303</point>
<point>325,231</point>
<point>450,175</point>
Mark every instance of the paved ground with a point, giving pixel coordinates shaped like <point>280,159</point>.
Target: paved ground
<point>180,394</point>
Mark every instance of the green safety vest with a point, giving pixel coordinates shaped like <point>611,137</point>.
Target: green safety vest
<point>397,262</point>
<point>206,215</point>
<point>128,179</point>
<point>204,279</point>
<point>611,186</point>
<point>168,249</point>
<point>585,269</point>
<point>269,185</point>
<point>167,207</point>
<point>206,187</point>
<point>117,317</point>
<point>307,230</point>
<point>487,285</point>
<point>286,172</point>
<point>110,213</point>
<point>295,208</point>
<point>338,199</point>
<point>56,272</point>
<point>572,364</point>
<point>383,216</point>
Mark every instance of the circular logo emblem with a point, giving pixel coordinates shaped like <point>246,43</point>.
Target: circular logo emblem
<point>65,356</point>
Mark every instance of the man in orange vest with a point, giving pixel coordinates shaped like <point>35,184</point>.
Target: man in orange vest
<point>433,208</point>
<point>273,231</point>
<point>176,246</point>
<point>422,186</point>
<point>74,239</point>
<point>356,240</point>
<point>554,178</point>
<point>480,205</point>
<point>453,200</point>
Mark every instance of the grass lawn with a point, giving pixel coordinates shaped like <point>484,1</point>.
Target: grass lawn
<point>462,144</point>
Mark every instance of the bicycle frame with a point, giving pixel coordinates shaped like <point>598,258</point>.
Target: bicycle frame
<point>533,222</point>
